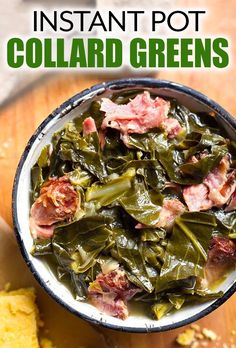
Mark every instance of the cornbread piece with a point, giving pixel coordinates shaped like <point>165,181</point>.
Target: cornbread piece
<point>211,335</point>
<point>186,338</point>
<point>45,343</point>
<point>19,319</point>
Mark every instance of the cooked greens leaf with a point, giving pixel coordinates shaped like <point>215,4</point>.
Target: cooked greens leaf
<point>148,142</point>
<point>187,248</point>
<point>205,165</point>
<point>143,205</point>
<point>42,247</point>
<point>152,235</point>
<point>161,309</point>
<point>37,180</point>
<point>189,173</point>
<point>81,242</point>
<point>128,252</point>
<point>88,248</point>
<point>207,141</point>
<point>80,177</point>
<point>43,160</point>
<point>105,194</point>
<point>226,221</point>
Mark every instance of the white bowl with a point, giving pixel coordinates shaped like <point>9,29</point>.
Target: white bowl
<point>190,98</point>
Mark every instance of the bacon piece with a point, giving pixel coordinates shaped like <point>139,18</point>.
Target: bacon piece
<point>215,190</point>
<point>110,293</point>
<point>139,116</point>
<point>89,126</point>
<point>170,210</point>
<point>222,250</point>
<point>58,201</point>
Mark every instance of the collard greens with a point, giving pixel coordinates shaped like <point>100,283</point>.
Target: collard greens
<point>123,190</point>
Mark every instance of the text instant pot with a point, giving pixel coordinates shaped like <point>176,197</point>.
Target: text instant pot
<point>112,39</point>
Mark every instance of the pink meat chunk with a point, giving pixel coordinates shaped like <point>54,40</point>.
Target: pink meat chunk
<point>222,250</point>
<point>89,126</point>
<point>196,197</point>
<point>172,127</point>
<point>171,209</point>
<point>109,305</point>
<point>58,201</point>
<point>139,116</point>
<point>223,196</point>
<point>38,231</point>
<point>232,204</point>
<point>215,190</point>
<point>110,293</point>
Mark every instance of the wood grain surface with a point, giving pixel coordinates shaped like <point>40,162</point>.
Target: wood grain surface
<point>20,118</point>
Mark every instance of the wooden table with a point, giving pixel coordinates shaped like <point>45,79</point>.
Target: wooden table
<point>21,117</point>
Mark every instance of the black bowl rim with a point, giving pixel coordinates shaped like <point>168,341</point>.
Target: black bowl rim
<point>64,109</point>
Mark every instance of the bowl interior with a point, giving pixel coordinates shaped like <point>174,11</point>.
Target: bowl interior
<point>21,206</point>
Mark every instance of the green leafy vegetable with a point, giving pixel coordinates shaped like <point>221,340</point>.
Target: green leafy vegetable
<point>122,182</point>
<point>43,160</point>
<point>153,141</point>
<point>42,247</point>
<point>204,166</point>
<point>143,205</point>
<point>161,309</point>
<point>189,173</point>
<point>81,242</point>
<point>186,251</point>
<point>107,193</point>
<point>128,251</point>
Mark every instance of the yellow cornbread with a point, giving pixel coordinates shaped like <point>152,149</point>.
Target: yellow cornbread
<point>18,319</point>
<point>45,343</point>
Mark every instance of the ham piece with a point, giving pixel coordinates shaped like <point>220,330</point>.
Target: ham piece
<point>110,293</point>
<point>215,190</point>
<point>89,126</point>
<point>139,116</point>
<point>38,231</point>
<point>222,250</point>
<point>170,210</point>
<point>58,201</point>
